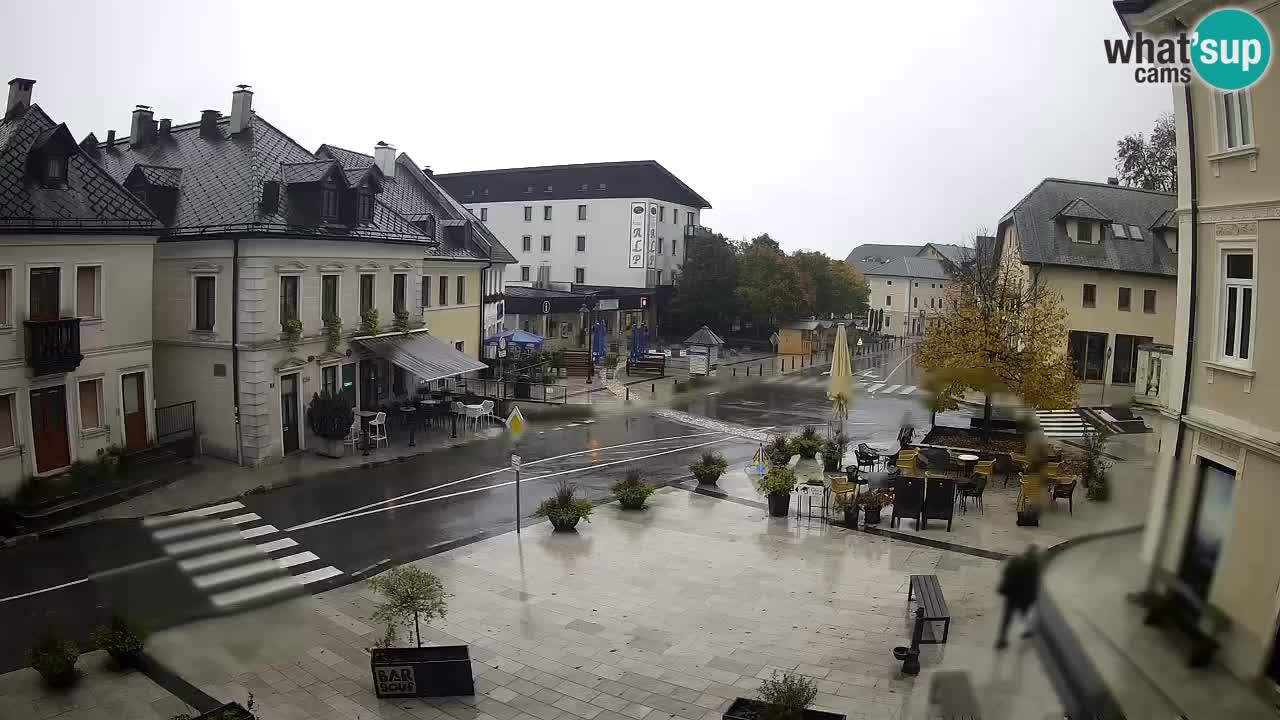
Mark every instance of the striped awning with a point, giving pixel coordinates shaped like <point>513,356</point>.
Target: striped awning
<point>422,355</point>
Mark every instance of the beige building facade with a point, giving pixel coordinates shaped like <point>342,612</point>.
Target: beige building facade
<point>1211,521</point>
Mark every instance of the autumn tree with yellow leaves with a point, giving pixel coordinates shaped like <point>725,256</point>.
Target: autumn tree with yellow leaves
<point>999,331</point>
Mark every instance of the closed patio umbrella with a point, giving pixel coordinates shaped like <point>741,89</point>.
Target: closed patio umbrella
<point>840,387</point>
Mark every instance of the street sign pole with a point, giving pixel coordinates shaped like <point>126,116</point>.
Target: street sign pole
<point>515,465</point>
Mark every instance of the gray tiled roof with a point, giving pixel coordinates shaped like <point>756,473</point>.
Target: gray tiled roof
<point>626,179</point>
<point>704,336</point>
<point>875,252</point>
<point>913,267</point>
<point>1044,241</point>
<point>1080,208</point>
<point>91,198</point>
<point>306,172</point>
<point>167,177</point>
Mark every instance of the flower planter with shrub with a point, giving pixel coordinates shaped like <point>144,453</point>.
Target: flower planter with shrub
<point>709,468</point>
<point>872,503</point>
<point>632,491</point>
<point>330,417</point>
<point>833,451</point>
<point>784,696</point>
<point>565,508</point>
<point>779,450</point>
<point>410,596</point>
<point>55,660</point>
<point>371,321</point>
<point>122,640</point>
<point>845,505</point>
<point>776,485</point>
<point>807,443</point>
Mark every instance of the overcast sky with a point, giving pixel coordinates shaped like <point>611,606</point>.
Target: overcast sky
<point>826,127</point>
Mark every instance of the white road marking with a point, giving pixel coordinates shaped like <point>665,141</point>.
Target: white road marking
<point>156,520</point>
<point>891,389</point>
<point>907,390</point>
<point>181,531</point>
<point>495,472</point>
<point>242,519</point>
<point>275,545</point>
<point>899,367</point>
<point>258,531</point>
<point>875,388</point>
<point>44,590</point>
<point>235,574</point>
<point>323,573</point>
<point>298,559</point>
<point>255,591</point>
<point>200,562</point>
<point>208,542</point>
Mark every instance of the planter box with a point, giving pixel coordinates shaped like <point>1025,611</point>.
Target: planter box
<point>422,672</point>
<point>564,525</point>
<point>744,709</point>
<point>230,711</point>
<point>330,448</point>
<point>779,504</point>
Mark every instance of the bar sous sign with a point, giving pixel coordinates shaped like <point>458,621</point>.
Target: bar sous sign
<point>395,680</point>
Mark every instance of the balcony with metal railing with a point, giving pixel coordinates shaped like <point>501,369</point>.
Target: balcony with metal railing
<point>53,346</point>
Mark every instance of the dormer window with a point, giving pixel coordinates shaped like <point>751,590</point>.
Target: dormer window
<point>55,171</point>
<point>329,200</point>
<point>364,205</point>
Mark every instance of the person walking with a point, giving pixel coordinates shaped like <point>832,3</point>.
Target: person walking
<point>1018,584</point>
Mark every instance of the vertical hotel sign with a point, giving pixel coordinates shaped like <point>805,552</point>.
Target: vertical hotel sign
<point>652,235</point>
<point>635,256</point>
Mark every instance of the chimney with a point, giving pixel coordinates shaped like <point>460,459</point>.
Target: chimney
<point>165,125</point>
<point>1113,181</point>
<point>209,124</point>
<point>140,126</point>
<point>426,170</point>
<point>19,95</point>
<point>241,109</point>
<point>384,156</point>
<point>111,138</point>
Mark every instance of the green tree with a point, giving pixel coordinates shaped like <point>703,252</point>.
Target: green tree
<point>1150,163</point>
<point>711,267</point>
<point>999,331</point>
<point>849,292</point>
<point>410,595</point>
<point>771,288</point>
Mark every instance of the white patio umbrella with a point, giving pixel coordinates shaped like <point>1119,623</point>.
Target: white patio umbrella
<point>840,387</point>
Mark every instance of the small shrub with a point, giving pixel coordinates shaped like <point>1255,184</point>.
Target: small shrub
<point>55,660</point>
<point>122,640</point>
<point>778,481</point>
<point>410,595</point>
<point>833,451</point>
<point>806,444</point>
<point>370,320</point>
<point>292,333</point>
<point>874,500</point>
<point>402,321</point>
<point>709,467</point>
<point>779,450</point>
<point>330,416</point>
<point>332,333</point>
<point>787,695</point>
<point>1095,467</point>
<point>632,491</point>
<point>565,505</point>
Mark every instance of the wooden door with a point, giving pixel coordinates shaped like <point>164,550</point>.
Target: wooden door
<point>45,293</point>
<point>133,388</point>
<point>49,428</point>
<point>289,412</point>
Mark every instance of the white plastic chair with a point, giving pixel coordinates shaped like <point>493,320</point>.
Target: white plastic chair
<point>473,415</point>
<point>353,436</point>
<point>487,408</point>
<point>378,430</point>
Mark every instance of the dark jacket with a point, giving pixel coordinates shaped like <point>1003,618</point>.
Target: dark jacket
<point>1020,580</point>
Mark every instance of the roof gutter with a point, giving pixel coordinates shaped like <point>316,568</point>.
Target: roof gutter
<point>235,346</point>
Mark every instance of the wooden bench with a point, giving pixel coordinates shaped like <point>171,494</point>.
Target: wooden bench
<point>649,364</point>
<point>1175,603</point>
<point>928,593</point>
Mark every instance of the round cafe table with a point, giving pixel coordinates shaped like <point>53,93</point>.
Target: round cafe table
<point>970,462</point>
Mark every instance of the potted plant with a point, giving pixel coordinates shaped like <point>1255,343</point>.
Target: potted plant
<point>565,508</point>
<point>776,485</point>
<point>1094,473</point>
<point>632,491</point>
<point>402,321</point>
<point>122,640</point>
<point>779,450</point>
<point>845,504</point>
<point>807,443</point>
<point>783,696</point>
<point>370,320</point>
<point>833,451</point>
<point>332,333</point>
<point>330,417</point>
<point>709,468</point>
<point>872,502</point>
<point>55,660</point>
<point>292,330</point>
<point>410,596</point>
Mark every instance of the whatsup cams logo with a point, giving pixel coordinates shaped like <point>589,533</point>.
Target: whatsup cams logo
<point>1228,49</point>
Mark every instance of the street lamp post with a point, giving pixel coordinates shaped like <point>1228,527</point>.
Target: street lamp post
<point>588,332</point>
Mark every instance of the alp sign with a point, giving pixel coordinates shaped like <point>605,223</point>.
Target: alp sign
<point>636,249</point>
<point>395,681</point>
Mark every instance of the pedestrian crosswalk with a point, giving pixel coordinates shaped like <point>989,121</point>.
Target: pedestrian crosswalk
<point>234,557</point>
<point>1062,423</point>
<point>869,385</point>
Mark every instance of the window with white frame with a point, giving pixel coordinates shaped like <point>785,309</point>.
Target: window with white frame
<point>1235,119</point>
<point>289,298</point>
<point>484,214</point>
<point>8,413</point>
<point>329,297</point>
<point>204,293</point>
<point>582,212</point>
<point>89,291</point>
<point>399,294</point>
<point>524,273</point>
<point>580,275</point>
<point>91,405</point>
<point>1236,312</point>
<point>581,245</point>
<point>6,297</point>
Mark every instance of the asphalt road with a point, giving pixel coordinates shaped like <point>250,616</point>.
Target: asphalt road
<point>345,526</point>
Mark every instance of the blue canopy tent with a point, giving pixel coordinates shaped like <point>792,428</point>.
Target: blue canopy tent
<point>639,342</point>
<point>597,342</point>
<point>518,338</point>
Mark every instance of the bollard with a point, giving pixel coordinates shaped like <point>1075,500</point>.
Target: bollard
<point>628,393</point>
<point>761,369</point>
<point>676,381</point>
<point>651,388</point>
<point>454,425</point>
<point>735,372</point>
<point>748,371</point>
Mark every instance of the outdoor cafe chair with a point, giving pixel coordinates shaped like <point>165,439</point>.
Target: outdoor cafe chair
<point>1065,490</point>
<point>986,469</point>
<point>353,436</point>
<point>907,459</point>
<point>487,407</point>
<point>378,430</point>
<point>973,489</point>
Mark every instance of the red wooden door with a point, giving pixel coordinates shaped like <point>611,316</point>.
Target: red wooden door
<point>134,389</point>
<point>49,428</point>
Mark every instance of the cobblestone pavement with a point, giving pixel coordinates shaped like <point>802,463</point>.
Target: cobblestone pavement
<point>666,613</point>
<point>101,693</point>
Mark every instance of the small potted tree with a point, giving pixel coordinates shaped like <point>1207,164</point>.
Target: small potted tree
<point>632,491</point>
<point>807,443</point>
<point>709,468</point>
<point>844,504</point>
<point>833,451</point>
<point>779,450</point>
<point>370,321</point>
<point>55,660</point>
<point>872,503</point>
<point>122,640</point>
<point>411,595</point>
<point>402,321</point>
<point>776,485</point>
<point>330,418</point>
<point>783,696</point>
<point>565,508</point>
